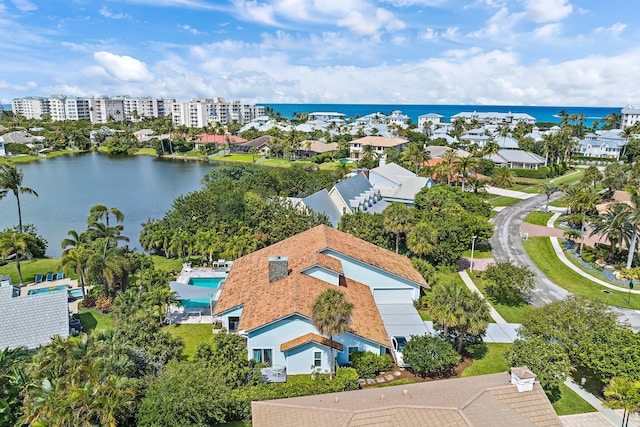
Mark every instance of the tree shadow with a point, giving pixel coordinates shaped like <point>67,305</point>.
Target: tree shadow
<point>88,320</point>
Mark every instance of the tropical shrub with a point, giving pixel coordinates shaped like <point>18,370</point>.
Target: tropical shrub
<point>368,364</point>
<point>430,356</point>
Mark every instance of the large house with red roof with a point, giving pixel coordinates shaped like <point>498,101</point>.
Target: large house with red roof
<point>268,295</point>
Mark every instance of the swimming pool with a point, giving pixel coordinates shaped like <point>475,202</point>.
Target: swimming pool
<point>206,282</point>
<point>46,290</point>
<point>75,293</point>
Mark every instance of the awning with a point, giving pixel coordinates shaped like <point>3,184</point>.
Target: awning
<point>183,291</point>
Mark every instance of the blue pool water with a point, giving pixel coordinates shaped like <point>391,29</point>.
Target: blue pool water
<point>206,282</point>
<point>45,290</point>
<point>195,302</point>
<point>76,293</point>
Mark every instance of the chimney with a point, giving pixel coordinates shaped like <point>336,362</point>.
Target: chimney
<point>278,268</point>
<point>523,378</point>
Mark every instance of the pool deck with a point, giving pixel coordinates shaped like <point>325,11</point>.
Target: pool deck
<point>69,283</point>
<point>188,273</point>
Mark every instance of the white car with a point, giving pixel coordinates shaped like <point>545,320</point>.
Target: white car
<point>397,347</point>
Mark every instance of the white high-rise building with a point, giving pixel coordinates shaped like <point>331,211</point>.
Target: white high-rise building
<point>135,109</point>
<point>200,112</point>
<point>104,109</point>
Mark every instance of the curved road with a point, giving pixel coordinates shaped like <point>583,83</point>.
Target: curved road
<point>506,244</point>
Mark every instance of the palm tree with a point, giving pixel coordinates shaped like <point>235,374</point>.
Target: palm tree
<point>71,242</point>
<point>17,244</point>
<point>581,199</point>
<point>98,211</point>
<point>502,177</point>
<point>592,175</point>
<point>11,179</point>
<point>422,239</point>
<point>623,393</point>
<point>464,165</point>
<point>446,304</point>
<point>615,224</point>
<point>398,219</point>
<point>475,317</point>
<point>477,184</point>
<point>253,151</point>
<point>77,260</point>
<point>415,155</point>
<point>548,188</point>
<point>330,314</point>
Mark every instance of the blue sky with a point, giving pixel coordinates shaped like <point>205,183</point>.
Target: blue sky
<point>516,52</point>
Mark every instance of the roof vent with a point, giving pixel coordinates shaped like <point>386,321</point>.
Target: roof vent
<point>278,268</point>
<point>523,378</point>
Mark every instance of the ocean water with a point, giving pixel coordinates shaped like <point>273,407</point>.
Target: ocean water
<point>542,114</point>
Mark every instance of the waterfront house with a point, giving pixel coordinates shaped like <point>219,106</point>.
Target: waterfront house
<point>268,296</point>
<point>31,321</point>
<point>629,116</point>
<point>494,118</point>
<point>379,144</point>
<point>313,148</point>
<point>262,144</point>
<point>497,400</point>
<point>217,139</point>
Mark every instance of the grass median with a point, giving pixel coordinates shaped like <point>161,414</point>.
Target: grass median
<point>542,254</point>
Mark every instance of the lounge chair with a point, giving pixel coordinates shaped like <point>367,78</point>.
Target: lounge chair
<point>60,275</point>
<point>38,278</point>
<point>49,277</point>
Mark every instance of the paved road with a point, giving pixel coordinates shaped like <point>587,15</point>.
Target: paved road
<point>506,244</point>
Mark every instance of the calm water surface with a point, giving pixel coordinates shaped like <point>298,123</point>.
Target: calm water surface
<point>141,187</point>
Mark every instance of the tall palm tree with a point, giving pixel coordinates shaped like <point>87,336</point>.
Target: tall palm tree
<point>17,244</point>
<point>581,199</point>
<point>446,304</point>
<point>77,260</point>
<point>615,225</point>
<point>475,317</point>
<point>73,240</point>
<point>330,314</point>
<point>422,239</point>
<point>415,155</point>
<point>99,211</point>
<point>593,175</point>
<point>398,219</point>
<point>464,165</point>
<point>11,179</point>
<point>548,188</point>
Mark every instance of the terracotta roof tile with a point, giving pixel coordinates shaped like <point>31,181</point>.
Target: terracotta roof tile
<point>263,302</point>
<point>306,338</point>
<point>487,400</point>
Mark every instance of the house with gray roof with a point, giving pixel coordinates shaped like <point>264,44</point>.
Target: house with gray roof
<point>517,159</point>
<point>31,321</point>
<point>397,184</point>
<point>609,143</point>
<point>262,144</point>
<point>354,194</point>
<point>506,142</point>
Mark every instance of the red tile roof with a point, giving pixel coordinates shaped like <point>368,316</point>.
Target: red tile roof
<point>263,302</point>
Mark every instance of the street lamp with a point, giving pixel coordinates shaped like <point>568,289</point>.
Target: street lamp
<point>473,246</point>
<point>630,287</point>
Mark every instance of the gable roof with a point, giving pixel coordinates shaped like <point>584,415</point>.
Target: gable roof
<point>321,202</point>
<point>258,142</point>
<point>516,156</point>
<point>307,338</point>
<point>352,187</point>
<point>486,400</point>
<point>263,302</point>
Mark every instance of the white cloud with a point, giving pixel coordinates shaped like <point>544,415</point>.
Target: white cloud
<point>24,5</point>
<point>371,24</point>
<point>190,29</point>
<point>615,29</point>
<point>547,31</point>
<point>123,68</point>
<point>542,11</point>
<point>108,14</point>
<point>407,3</point>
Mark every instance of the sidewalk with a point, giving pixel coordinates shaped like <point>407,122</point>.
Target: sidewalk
<point>612,416</point>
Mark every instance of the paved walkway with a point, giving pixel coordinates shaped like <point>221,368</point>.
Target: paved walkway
<point>614,417</point>
<point>509,193</point>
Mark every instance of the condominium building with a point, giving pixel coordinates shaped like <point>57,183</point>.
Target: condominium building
<point>629,116</point>
<point>102,109</point>
<point>494,118</point>
<point>31,107</point>
<point>200,112</point>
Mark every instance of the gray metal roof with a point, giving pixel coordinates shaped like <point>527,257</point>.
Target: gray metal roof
<point>321,203</point>
<point>352,187</point>
<point>516,156</point>
<point>32,321</point>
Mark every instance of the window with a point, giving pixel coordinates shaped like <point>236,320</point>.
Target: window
<point>317,359</point>
<point>234,321</point>
<point>262,355</point>
<point>352,350</point>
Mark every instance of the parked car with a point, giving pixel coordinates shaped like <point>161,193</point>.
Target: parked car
<point>397,347</point>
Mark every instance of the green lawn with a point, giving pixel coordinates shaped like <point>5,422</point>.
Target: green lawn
<point>510,313</point>
<point>570,403</point>
<point>538,218</point>
<point>30,268</point>
<point>480,251</point>
<point>92,320</point>
<point>424,314</point>
<point>503,201</point>
<point>543,255</point>
<point>560,203</point>
<point>167,264</point>
<point>569,178</point>
<point>488,358</point>
<point>192,335</point>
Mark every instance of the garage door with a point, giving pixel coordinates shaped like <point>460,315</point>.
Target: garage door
<point>393,296</point>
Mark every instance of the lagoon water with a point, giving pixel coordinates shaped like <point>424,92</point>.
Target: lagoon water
<point>141,187</point>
